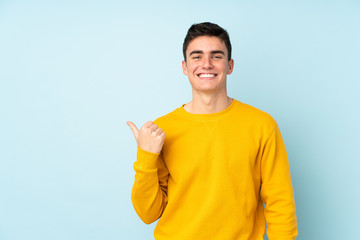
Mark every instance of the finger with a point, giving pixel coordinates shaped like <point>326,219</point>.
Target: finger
<point>158,131</point>
<point>134,129</point>
<point>154,127</point>
<point>147,124</point>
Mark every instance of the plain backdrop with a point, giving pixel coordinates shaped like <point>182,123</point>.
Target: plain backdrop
<point>73,72</point>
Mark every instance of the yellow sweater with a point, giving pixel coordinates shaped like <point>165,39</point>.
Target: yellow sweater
<point>214,175</point>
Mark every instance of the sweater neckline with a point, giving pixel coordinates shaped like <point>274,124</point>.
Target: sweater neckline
<point>207,116</point>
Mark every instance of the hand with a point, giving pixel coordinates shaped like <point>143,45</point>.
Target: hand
<point>149,138</point>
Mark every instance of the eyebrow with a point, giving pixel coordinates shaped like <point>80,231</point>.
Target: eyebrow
<point>201,52</point>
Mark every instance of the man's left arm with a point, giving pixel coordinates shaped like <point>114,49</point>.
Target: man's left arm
<point>276,189</point>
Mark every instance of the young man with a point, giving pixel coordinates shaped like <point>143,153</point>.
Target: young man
<point>220,161</point>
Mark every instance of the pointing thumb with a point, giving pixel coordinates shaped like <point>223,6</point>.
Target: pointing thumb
<point>134,129</point>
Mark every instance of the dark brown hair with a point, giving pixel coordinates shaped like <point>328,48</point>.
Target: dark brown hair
<point>206,29</point>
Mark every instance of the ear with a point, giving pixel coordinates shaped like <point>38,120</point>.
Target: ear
<point>231,66</point>
<point>184,67</point>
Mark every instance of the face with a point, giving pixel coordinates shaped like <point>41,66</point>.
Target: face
<point>207,64</point>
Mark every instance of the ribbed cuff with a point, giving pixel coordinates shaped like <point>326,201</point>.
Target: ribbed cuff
<point>145,160</point>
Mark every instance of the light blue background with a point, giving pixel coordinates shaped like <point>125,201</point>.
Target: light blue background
<point>73,72</point>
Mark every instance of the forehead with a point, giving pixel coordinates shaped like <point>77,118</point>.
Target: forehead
<point>206,44</point>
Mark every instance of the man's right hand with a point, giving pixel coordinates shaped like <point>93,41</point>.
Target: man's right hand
<point>149,138</point>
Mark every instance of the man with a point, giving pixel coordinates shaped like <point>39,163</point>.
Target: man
<point>220,161</point>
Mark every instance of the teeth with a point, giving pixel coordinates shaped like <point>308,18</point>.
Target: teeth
<point>207,75</point>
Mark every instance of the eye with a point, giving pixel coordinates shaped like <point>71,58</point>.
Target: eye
<point>217,56</point>
<point>196,57</point>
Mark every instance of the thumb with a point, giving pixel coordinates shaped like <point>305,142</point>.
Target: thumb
<point>134,129</point>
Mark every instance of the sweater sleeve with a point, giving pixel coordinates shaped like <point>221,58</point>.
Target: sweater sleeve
<point>276,189</point>
<point>149,192</point>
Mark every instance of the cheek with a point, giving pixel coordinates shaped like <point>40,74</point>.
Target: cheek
<point>192,69</point>
<point>224,68</point>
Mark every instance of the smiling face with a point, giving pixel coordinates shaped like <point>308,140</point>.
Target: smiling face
<point>207,64</point>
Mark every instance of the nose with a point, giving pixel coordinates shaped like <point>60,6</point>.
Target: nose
<point>207,63</point>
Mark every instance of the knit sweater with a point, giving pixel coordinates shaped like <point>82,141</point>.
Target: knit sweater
<point>214,175</point>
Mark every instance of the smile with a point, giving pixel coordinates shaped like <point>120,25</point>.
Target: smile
<point>206,75</point>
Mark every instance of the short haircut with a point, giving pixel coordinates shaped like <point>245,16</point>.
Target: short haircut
<point>206,29</point>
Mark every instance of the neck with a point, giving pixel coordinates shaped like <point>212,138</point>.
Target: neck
<point>205,104</point>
